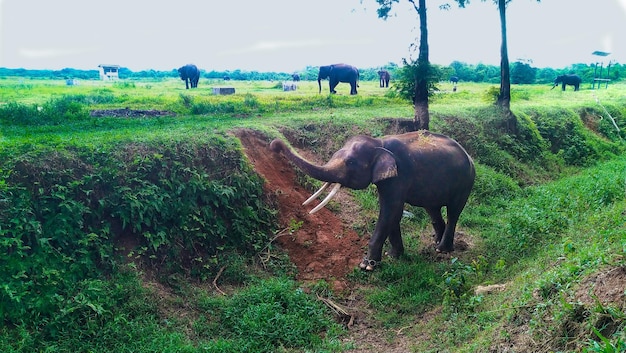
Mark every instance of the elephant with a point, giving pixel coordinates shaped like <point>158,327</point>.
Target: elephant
<point>339,73</point>
<point>454,80</point>
<point>572,80</point>
<point>420,168</point>
<point>295,77</point>
<point>384,77</point>
<point>190,74</point>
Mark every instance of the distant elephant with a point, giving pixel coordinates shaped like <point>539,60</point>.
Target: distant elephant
<point>454,80</point>
<point>339,73</point>
<point>226,78</point>
<point>572,80</point>
<point>295,77</point>
<point>190,74</point>
<point>384,78</point>
<point>420,168</point>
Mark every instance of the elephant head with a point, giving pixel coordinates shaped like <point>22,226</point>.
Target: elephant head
<point>419,168</point>
<point>362,161</point>
<point>323,74</point>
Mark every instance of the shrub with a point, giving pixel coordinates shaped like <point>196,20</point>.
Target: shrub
<point>182,206</point>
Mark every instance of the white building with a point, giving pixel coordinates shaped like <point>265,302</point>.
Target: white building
<point>109,72</point>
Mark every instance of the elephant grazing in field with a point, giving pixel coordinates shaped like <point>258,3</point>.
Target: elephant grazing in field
<point>384,77</point>
<point>339,73</point>
<point>190,74</point>
<point>572,80</point>
<point>420,168</point>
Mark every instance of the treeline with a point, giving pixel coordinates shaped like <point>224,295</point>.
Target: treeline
<point>521,73</point>
<point>524,73</point>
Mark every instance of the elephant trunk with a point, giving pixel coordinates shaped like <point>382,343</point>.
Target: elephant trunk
<point>319,83</point>
<point>322,173</point>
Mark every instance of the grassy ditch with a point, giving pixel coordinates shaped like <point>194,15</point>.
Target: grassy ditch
<point>113,229</point>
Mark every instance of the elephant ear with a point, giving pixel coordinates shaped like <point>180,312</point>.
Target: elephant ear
<point>384,166</point>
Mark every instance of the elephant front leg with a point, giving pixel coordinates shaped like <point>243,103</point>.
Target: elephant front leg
<point>388,225</point>
<point>332,84</point>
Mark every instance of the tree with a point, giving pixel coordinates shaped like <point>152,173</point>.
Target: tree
<point>522,73</point>
<point>422,66</point>
<point>504,97</point>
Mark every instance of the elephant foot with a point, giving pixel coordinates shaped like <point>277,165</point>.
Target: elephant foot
<point>394,253</point>
<point>444,249</point>
<point>368,265</point>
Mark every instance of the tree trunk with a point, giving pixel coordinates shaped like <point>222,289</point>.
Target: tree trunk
<point>504,98</point>
<point>420,100</point>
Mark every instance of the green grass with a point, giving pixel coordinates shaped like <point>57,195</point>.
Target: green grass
<point>546,211</point>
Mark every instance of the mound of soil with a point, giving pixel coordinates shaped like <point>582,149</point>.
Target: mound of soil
<point>322,247</point>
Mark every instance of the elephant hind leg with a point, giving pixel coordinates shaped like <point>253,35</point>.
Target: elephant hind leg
<point>454,212</point>
<point>439,225</point>
<point>353,88</point>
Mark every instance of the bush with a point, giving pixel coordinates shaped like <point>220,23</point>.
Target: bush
<point>53,112</point>
<point>179,206</point>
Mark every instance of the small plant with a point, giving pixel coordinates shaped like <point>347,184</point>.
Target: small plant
<point>605,345</point>
<point>457,283</point>
<point>491,94</point>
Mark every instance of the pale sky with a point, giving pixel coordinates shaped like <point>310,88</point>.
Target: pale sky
<point>288,35</point>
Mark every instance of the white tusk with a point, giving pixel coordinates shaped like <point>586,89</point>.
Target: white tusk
<point>327,199</point>
<point>317,193</point>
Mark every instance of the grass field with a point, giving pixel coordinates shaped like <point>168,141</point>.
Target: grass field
<point>114,230</point>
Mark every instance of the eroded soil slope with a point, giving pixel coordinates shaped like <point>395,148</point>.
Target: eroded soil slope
<point>323,247</point>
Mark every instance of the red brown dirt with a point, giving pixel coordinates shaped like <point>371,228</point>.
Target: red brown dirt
<point>323,247</point>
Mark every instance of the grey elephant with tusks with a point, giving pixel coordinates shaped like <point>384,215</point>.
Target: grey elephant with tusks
<point>420,168</point>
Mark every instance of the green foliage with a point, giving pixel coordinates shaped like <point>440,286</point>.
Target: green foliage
<point>272,314</point>
<point>457,284</point>
<point>522,73</point>
<point>175,198</point>
<point>409,285</point>
<point>55,112</point>
<point>490,185</point>
<point>548,211</point>
<point>182,203</point>
<point>567,136</point>
<point>410,74</point>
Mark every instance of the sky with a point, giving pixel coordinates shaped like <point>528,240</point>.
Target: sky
<point>289,35</point>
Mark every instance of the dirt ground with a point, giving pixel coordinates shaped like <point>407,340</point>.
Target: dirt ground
<point>323,247</point>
